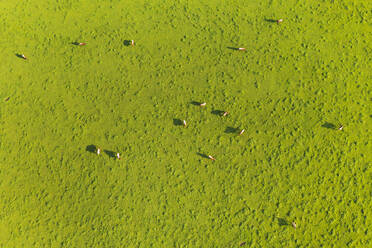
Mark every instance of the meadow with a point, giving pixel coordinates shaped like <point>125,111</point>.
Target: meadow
<point>290,90</point>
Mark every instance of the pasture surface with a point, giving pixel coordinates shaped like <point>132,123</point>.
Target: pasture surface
<point>290,90</point>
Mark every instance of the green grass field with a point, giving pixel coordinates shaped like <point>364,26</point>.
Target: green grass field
<point>290,90</point>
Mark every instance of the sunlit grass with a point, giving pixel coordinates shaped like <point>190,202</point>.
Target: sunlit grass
<point>290,90</point>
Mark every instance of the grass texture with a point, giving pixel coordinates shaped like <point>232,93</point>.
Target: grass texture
<point>290,90</point>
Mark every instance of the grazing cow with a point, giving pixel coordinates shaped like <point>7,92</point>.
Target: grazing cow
<point>294,225</point>
<point>211,158</point>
